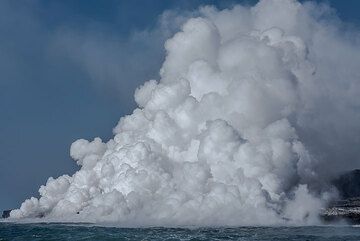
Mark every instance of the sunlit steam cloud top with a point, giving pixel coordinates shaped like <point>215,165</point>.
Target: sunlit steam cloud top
<point>256,108</point>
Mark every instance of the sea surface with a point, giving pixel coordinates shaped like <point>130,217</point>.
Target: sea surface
<point>48,232</point>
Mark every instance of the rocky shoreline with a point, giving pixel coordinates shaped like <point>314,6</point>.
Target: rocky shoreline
<point>347,210</point>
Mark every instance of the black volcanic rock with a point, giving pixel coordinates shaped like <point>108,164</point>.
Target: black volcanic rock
<point>348,184</point>
<point>348,210</point>
<point>6,213</point>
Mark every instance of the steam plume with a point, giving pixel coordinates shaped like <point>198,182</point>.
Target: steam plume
<point>255,109</point>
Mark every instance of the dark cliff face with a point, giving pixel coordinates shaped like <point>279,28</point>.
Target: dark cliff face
<point>348,208</point>
<point>348,184</point>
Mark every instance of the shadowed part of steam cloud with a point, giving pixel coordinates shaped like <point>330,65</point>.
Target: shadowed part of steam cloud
<point>256,108</point>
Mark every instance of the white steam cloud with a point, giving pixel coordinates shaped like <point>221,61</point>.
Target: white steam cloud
<point>255,109</point>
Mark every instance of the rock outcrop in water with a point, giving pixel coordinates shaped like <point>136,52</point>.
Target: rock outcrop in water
<point>348,208</point>
<point>6,214</point>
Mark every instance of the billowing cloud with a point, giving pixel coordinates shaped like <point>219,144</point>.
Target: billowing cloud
<point>256,107</point>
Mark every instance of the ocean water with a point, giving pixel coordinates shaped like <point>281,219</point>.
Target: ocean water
<point>48,232</point>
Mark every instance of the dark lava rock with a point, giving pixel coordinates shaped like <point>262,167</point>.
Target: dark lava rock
<point>348,209</point>
<point>348,184</point>
<point>6,213</point>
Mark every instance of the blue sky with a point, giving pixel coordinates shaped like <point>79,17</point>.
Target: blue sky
<point>68,70</point>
